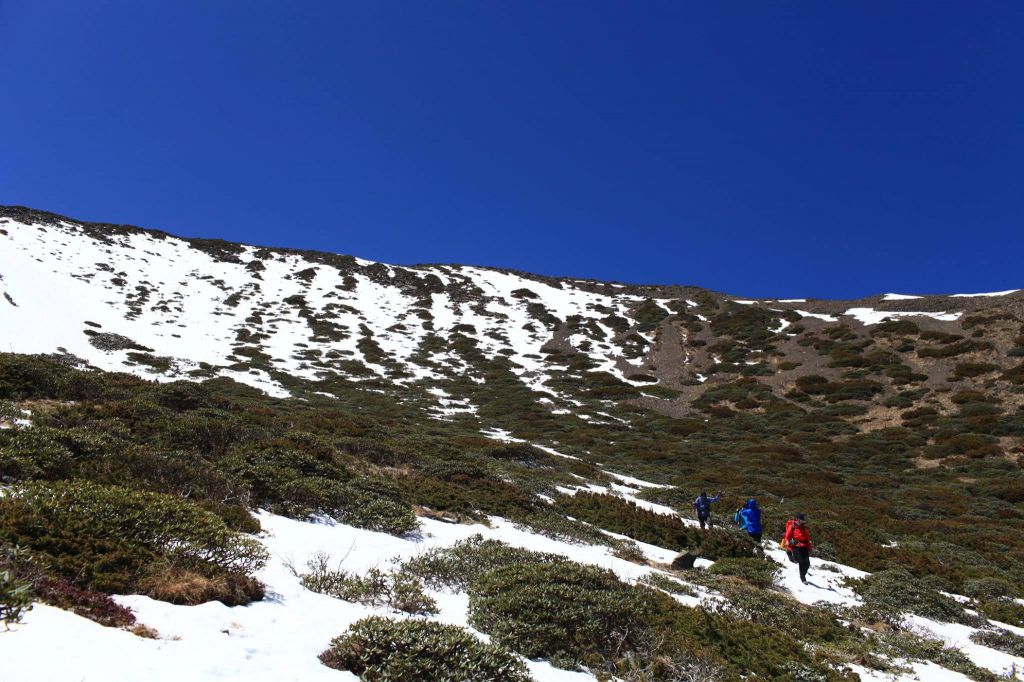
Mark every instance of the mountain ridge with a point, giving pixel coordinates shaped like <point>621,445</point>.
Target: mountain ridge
<point>21,213</point>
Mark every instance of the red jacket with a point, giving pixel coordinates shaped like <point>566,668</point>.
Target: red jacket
<point>800,535</point>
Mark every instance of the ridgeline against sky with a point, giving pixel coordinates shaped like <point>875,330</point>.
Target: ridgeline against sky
<point>763,150</point>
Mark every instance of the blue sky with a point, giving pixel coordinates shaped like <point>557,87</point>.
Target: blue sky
<point>763,149</point>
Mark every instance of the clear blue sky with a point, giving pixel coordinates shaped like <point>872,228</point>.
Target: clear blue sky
<point>830,149</point>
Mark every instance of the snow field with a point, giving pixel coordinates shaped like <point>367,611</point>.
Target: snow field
<point>281,637</point>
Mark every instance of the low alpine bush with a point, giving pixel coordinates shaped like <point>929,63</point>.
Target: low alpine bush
<point>456,567</point>
<point>662,582</point>
<point>1000,640</point>
<point>387,650</point>
<point>895,589</point>
<point>782,613</point>
<point>110,538</point>
<point>757,571</point>
<point>15,598</point>
<point>401,591</point>
<point>563,611</point>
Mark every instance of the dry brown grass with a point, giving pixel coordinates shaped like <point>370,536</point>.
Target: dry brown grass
<point>182,586</point>
<point>444,516</point>
<point>144,631</point>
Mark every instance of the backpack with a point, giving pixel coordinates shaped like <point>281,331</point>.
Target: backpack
<point>789,526</point>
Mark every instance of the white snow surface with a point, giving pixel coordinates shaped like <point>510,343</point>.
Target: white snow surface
<point>820,316</point>
<point>991,293</point>
<point>635,482</point>
<point>872,316</point>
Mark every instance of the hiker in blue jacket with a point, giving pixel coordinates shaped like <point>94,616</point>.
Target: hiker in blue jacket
<point>702,506</point>
<point>749,518</point>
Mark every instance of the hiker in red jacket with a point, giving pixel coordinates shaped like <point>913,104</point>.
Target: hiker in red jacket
<point>797,540</point>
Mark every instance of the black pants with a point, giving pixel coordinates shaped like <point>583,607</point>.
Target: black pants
<point>803,558</point>
<point>756,537</point>
<point>705,519</point>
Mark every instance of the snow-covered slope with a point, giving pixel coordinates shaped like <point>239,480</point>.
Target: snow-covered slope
<point>248,312</point>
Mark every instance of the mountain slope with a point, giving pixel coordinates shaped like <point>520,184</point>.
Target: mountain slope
<point>124,298</point>
<point>387,409</point>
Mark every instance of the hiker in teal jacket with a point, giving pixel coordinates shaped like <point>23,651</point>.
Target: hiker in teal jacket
<point>749,519</point>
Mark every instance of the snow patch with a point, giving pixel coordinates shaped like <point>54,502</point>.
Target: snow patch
<point>991,293</point>
<point>872,316</point>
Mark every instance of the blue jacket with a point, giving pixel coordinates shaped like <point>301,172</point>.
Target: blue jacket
<point>749,517</point>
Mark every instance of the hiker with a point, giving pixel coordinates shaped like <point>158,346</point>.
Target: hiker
<point>797,542</point>
<point>749,519</point>
<point>702,506</point>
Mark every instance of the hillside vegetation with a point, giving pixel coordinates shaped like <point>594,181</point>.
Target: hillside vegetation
<point>313,386</point>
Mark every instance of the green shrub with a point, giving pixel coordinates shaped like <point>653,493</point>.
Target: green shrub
<point>368,509</point>
<point>1015,375</point>
<point>745,649</point>
<point>95,606</point>
<point>750,324</point>
<point>783,613</point>
<point>406,594</point>
<point>953,349</point>
<point>959,521</point>
<point>1004,611</point>
<point>628,550</point>
<point>722,543</point>
<point>167,525</point>
<point>985,589</point>
<point>30,377</point>
<point>760,572</point>
<point>109,538</point>
<point>456,567</point>
<point>613,513</point>
<point>309,481</point>
<point>974,369</point>
<point>836,391</point>
<point>896,589</point>
<point>388,650</point>
<point>895,326</point>
<point>33,453</point>
<point>564,611</point>
<point>550,522</point>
